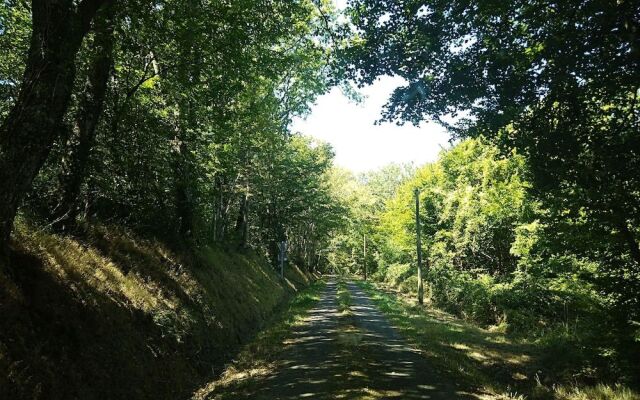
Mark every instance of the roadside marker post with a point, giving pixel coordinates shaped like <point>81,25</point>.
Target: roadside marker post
<point>282,256</point>
<point>364,251</point>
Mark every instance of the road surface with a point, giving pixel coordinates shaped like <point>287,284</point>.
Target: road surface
<point>362,356</point>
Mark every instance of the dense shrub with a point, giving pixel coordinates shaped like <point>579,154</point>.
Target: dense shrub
<point>523,304</point>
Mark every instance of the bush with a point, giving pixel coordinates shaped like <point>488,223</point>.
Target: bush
<point>526,303</point>
<point>409,285</point>
<point>397,273</point>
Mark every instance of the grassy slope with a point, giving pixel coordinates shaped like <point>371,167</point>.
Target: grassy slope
<point>115,316</point>
<point>502,365</point>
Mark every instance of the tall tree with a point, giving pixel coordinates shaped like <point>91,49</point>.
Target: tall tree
<point>87,115</point>
<point>35,121</point>
<point>558,80</point>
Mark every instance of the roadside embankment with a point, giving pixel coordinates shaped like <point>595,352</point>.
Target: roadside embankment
<point>115,316</point>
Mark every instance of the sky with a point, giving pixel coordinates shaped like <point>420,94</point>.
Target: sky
<point>358,143</point>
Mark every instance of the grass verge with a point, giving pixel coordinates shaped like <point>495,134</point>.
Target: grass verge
<point>258,357</point>
<point>503,367</point>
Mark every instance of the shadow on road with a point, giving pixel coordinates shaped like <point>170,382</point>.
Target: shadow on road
<point>325,358</point>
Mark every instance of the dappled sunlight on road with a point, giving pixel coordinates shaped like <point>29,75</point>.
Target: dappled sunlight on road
<point>391,364</point>
<point>463,351</point>
<point>337,355</point>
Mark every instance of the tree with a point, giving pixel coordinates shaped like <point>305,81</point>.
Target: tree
<point>175,114</point>
<point>87,115</point>
<point>559,81</point>
<point>35,121</point>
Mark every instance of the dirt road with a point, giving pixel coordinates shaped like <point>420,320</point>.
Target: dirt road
<point>358,356</point>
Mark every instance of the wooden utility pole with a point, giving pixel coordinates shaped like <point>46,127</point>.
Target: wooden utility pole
<point>419,247</point>
<point>364,251</point>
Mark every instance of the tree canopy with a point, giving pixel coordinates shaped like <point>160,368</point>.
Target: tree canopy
<point>558,81</point>
<point>175,119</point>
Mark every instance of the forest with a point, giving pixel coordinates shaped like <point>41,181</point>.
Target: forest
<point>150,177</point>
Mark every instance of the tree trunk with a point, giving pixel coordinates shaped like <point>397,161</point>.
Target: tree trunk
<point>630,240</point>
<point>184,196</point>
<point>242,222</point>
<point>28,133</point>
<point>87,116</point>
<point>217,216</point>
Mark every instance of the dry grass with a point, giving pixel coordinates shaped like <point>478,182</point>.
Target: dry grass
<point>599,392</point>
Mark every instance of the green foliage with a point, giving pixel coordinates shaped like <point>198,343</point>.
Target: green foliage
<point>471,199</point>
<point>362,198</point>
<point>539,77</point>
<point>530,225</point>
<point>490,256</point>
<point>14,41</point>
<point>193,151</point>
<point>397,273</point>
<point>194,140</point>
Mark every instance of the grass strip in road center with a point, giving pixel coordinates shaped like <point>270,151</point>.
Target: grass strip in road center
<point>344,298</point>
<point>349,336</point>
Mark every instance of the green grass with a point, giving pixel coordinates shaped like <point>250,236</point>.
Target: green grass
<point>258,357</point>
<point>501,366</point>
<point>344,298</point>
<point>112,315</point>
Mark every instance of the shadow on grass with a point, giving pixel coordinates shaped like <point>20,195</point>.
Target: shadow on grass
<point>461,351</point>
<point>65,341</point>
<point>256,361</point>
<point>117,317</point>
<point>553,368</point>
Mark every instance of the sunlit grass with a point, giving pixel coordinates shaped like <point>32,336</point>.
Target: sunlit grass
<point>599,392</point>
<point>503,367</point>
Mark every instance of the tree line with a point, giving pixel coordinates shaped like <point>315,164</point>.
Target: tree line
<point>170,117</point>
<point>530,222</point>
<point>494,254</point>
<point>558,81</point>
<point>174,118</point>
